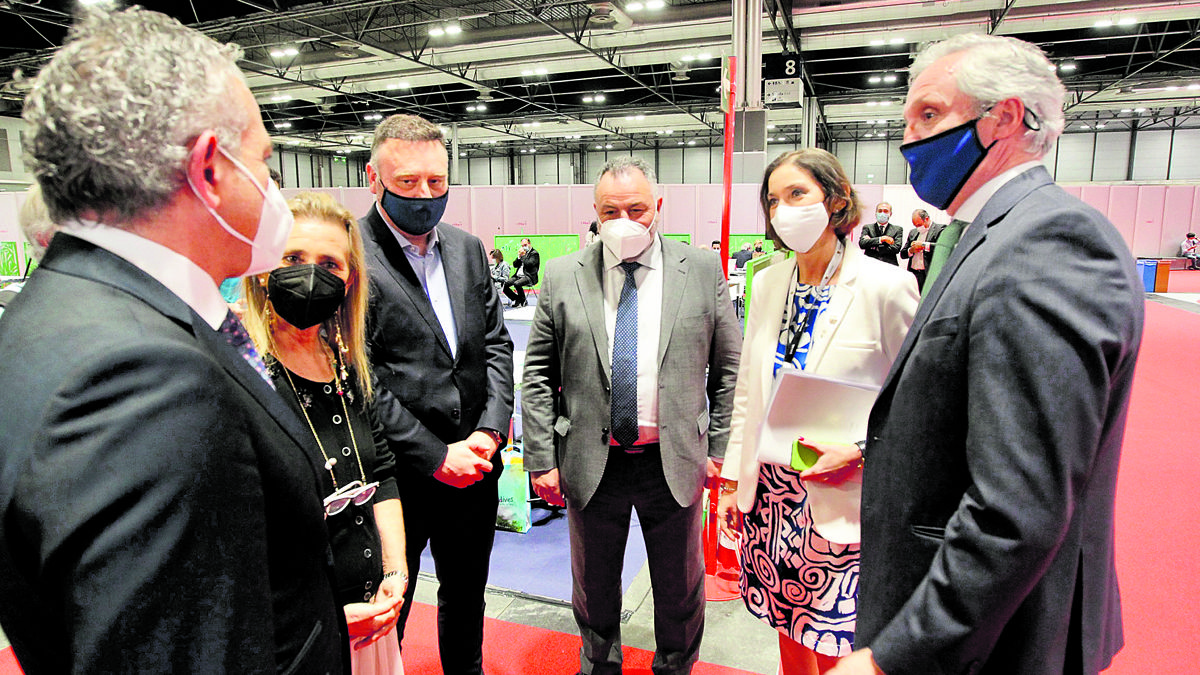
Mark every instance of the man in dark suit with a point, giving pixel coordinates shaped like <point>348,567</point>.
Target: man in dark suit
<point>987,533</point>
<point>743,256</point>
<point>881,240</point>
<point>160,508</point>
<point>525,274</point>
<point>918,248</point>
<point>669,376</point>
<point>441,351</point>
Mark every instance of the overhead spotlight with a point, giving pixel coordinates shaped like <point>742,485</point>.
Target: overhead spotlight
<point>608,146</point>
<point>634,7</point>
<point>1103,23</point>
<point>588,99</point>
<point>1126,110</point>
<point>781,138</point>
<point>896,41</point>
<point>1193,87</point>
<point>402,84</point>
<point>540,71</point>
<point>867,135</point>
<point>599,147</point>
<point>1101,125</point>
<point>453,29</point>
<point>527,73</point>
<point>1127,21</point>
<point>281,97</point>
<point>482,107</point>
<point>691,142</point>
<point>283,125</point>
<point>870,122</point>
<point>599,98</point>
<point>1066,66</point>
<point>687,58</point>
<point>1084,126</point>
<point>889,78</point>
<point>1172,88</point>
<point>872,104</point>
<point>284,52</point>
<point>462,154</point>
<point>770,126</point>
<point>437,31</point>
<point>704,56</point>
<point>470,108</point>
<point>655,4</point>
<point>885,103</point>
<point>679,143</point>
<point>878,43</point>
<point>874,79</point>
<point>1139,110</point>
<point>532,150</point>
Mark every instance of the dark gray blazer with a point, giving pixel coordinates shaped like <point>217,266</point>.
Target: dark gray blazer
<point>442,398</point>
<point>565,396</point>
<point>160,508</point>
<point>987,535</point>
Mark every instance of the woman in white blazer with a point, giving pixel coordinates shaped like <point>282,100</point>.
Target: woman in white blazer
<point>836,313</point>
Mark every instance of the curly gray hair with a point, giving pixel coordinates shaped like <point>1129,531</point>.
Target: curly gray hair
<point>114,111</point>
<point>995,69</point>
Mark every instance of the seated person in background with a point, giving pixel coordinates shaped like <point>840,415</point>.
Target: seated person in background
<point>593,233</point>
<point>758,250</point>
<point>498,269</point>
<point>525,274</point>
<point>743,256</point>
<point>307,318</point>
<point>1190,249</point>
<point>716,245</point>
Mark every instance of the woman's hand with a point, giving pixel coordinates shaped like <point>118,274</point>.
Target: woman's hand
<point>369,621</point>
<point>729,518</point>
<point>836,462</point>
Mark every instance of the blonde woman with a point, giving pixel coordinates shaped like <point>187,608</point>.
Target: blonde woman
<point>307,318</point>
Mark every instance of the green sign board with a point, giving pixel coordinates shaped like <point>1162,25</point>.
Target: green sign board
<point>547,245</point>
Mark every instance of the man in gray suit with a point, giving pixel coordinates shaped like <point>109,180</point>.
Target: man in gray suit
<point>627,395</point>
<point>987,529</point>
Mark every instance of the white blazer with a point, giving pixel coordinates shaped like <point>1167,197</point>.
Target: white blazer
<point>855,339</point>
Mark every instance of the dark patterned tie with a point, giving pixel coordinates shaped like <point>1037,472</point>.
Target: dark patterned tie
<point>236,335</point>
<point>941,251</point>
<point>624,363</point>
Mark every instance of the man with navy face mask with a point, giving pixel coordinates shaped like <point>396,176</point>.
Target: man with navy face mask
<point>987,527</point>
<point>443,359</point>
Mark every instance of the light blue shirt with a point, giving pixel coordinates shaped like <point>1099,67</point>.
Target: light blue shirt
<point>432,274</point>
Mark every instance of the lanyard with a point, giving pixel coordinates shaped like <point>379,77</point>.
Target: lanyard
<point>830,270</point>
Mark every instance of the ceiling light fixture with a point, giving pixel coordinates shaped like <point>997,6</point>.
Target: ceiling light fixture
<point>655,4</point>
<point>1103,23</point>
<point>437,31</point>
<point>608,146</point>
<point>1127,21</point>
<point>283,125</point>
<point>284,52</point>
<point>874,79</point>
<point>453,29</point>
<point>1067,66</point>
<point>889,78</point>
<point>634,7</point>
<point>281,97</point>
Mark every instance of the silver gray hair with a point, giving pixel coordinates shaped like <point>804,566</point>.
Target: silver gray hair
<point>619,166</point>
<point>995,69</point>
<point>115,110</point>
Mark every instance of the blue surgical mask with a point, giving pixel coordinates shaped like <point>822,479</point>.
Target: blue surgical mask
<point>941,164</point>
<point>414,215</point>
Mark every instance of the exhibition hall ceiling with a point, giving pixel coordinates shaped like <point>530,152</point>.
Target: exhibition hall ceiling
<point>555,75</point>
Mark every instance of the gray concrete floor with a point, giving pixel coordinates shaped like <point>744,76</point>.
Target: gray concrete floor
<point>731,636</point>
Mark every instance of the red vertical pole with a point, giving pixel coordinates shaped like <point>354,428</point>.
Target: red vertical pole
<point>727,178</point>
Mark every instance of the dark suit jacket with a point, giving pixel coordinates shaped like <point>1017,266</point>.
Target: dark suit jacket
<point>566,391</point>
<point>869,241</point>
<point>528,266</point>
<point>935,229</point>
<point>442,399</point>
<point>160,504</point>
<point>987,534</point>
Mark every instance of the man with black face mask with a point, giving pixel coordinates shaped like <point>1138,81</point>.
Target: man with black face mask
<point>991,453</point>
<point>444,363</point>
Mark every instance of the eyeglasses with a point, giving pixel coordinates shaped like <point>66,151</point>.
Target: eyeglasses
<point>354,492</point>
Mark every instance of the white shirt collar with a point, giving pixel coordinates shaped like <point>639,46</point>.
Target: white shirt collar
<point>177,272</point>
<point>974,204</point>
<point>403,240</point>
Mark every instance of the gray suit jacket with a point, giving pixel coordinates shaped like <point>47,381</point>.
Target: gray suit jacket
<point>987,537</point>
<point>565,397</point>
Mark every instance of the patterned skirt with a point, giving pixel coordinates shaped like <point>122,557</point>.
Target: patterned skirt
<point>792,578</point>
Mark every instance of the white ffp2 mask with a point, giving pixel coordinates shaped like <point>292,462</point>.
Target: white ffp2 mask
<point>625,238</point>
<point>800,226</point>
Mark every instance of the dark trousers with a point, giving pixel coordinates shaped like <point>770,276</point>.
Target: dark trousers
<point>920,275</point>
<point>674,548</point>
<point>459,526</point>
<point>514,288</point>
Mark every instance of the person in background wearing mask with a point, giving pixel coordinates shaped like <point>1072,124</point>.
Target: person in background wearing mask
<point>843,316</point>
<point>308,319</point>
<point>992,452</point>
<point>1190,249</point>
<point>881,240</point>
<point>525,273</point>
<point>444,365</point>
<point>624,324</point>
<point>160,504</point>
<point>918,248</point>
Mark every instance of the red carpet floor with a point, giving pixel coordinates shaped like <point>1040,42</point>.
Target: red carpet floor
<point>512,649</point>
<point>1158,514</point>
<point>1183,281</point>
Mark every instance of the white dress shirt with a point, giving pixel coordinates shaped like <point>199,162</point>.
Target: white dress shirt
<point>432,274</point>
<point>975,203</point>
<point>649,280</point>
<point>174,270</point>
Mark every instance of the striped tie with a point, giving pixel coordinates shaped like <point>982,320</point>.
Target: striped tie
<point>624,363</point>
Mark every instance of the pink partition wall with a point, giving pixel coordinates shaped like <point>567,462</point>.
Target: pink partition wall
<point>1181,214</point>
<point>1147,233</point>
<point>486,208</point>
<point>1122,210</point>
<point>553,204</point>
<point>679,208</point>
<point>583,210</point>
<point>519,209</point>
<point>459,212</point>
